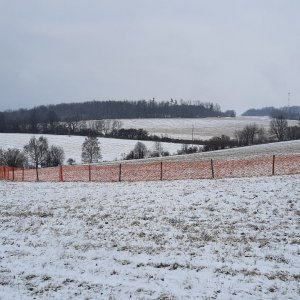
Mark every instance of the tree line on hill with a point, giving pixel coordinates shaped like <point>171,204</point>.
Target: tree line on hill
<point>291,113</point>
<point>252,134</point>
<point>38,153</point>
<point>58,119</point>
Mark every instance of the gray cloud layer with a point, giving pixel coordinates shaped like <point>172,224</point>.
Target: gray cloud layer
<point>240,53</point>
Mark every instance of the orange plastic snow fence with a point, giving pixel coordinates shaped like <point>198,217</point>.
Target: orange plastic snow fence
<point>159,170</point>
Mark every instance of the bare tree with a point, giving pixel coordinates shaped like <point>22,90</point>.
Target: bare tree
<point>293,133</point>
<point>116,125</point>
<point>251,130</point>
<point>158,148</point>
<point>82,125</point>
<point>246,136</point>
<point>99,126</point>
<point>14,158</point>
<point>72,124</point>
<point>2,160</point>
<point>55,156</point>
<point>91,152</point>
<point>262,136</point>
<point>278,127</point>
<point>107,126</point>
<point>37,150</point>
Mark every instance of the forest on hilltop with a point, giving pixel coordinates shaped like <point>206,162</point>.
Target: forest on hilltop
<point>26,120</point>
<point>291,113</point>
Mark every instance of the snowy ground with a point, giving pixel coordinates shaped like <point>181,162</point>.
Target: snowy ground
<point>280,148</point>
<point>204,128</point>
<point>207,239</point>
<point>112,149</point>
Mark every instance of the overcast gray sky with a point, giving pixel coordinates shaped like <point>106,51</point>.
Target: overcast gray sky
<point>240,53</point>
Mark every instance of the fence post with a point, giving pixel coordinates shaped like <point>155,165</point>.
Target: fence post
<point>13,173</point>
<point>273,165</point>
<point>60,173</point>
<point>90,175</point>
<point>37,173</point>
<point>212,169</point>
<point>161,170</point>
<point>23,174</point>
<point>120,172</point>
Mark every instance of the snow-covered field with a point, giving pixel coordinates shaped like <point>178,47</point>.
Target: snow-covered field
<point>112,149</point>
<point>204,239</point>
<point>204,128</point>
<point>280,148</point>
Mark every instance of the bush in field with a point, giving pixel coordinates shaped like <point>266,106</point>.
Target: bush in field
<point>71,161</point>
<point>156,154</point>
<point>157,150</point>
<point>187,149</point>
<point>139,151</point>
<point>91,152</point>
<point>218,142</point>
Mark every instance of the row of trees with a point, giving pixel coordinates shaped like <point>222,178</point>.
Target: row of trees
<point>141,151</point>
<point>288,112</point>
<point>65,118</point>
<point>253,134</point>
<point>13,158</point>
<point>279,131</point>
<point>38,153</point>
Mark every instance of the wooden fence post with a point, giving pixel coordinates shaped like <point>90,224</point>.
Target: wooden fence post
<point>90,175</point>
<point>273,165</point>
<point>212,169</point>
<point>161,170</point>
<point>60,173</point>
<point>120,172</point>
<point>23,174</point>
<point>13,173</point>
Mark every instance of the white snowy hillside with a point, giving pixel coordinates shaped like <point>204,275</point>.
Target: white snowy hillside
<point>111,149</point>
<point>279,148</point>
<point>199,128</point>
<point>193,239</point>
